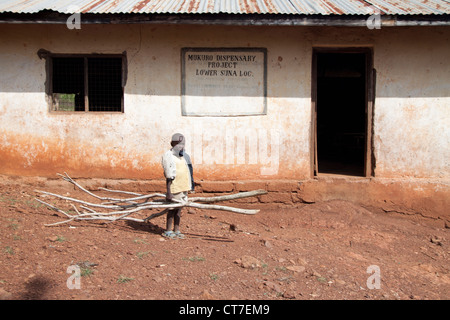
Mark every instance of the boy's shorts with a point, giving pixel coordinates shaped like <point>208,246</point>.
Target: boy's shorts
<point>182,196</point>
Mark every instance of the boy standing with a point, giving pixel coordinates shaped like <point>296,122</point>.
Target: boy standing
<point>178,182</point>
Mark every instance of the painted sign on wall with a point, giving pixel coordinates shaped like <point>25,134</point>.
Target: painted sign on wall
<point>224,81</point>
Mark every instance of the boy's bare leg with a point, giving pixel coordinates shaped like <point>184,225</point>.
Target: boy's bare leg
<point>170,217</point>
<point>173,219</point>
<point>177,218</point>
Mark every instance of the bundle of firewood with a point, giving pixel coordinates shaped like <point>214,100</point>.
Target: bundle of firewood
<point>115,208</point>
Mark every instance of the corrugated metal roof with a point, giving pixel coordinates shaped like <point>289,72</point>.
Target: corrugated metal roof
<point>296,7</point>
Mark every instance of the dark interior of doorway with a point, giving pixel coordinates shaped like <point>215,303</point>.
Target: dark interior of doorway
<point>341,116</point>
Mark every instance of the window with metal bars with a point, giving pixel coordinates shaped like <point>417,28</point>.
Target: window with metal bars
<point>86,83</point>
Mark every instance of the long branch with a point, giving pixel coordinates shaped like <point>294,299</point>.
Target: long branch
<point>229,196</point>
<point>69,179</point>
<point>221,208</point>
<point>78,201</point>
<point>142,197</point>
<point>121,191</point>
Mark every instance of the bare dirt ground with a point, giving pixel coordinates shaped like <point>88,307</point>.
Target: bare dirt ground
<point>308,251</point>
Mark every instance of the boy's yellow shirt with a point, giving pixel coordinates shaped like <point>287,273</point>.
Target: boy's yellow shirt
<point>182,181</point>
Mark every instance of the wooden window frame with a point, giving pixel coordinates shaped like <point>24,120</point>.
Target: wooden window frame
<point>49,83</point>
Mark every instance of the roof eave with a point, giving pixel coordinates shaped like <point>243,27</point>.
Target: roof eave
<point>52,17</point>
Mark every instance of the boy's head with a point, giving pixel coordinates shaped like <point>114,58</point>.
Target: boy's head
<point>178,142</point>
<point>178,138</point>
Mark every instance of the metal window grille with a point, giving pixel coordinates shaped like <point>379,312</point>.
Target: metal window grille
<point>87,84</point>
<point>68,84</point>
<point>105,84</point>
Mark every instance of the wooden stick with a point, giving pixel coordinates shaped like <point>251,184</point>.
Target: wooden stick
<point>155,215</point>
<point>69,179</point>
<point>79,201</point>
<point>222,208</point>
<point>229,196</point>
<point>54,208</point>
<point>142,197</point>
<point>121,191</point>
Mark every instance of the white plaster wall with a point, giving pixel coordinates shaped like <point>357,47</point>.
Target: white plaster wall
<point>412,110</point>
<point>411,119</point>
<point>35,141</point>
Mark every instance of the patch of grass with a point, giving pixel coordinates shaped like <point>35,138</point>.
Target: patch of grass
<point>7,200</point>
<point>9,250</point>
<point>14,226</point>
<point>85,268</point>
<point>141,255</point>
<point>287,279</point>
<point>60,239</point>
<point>124,279</point>
<point>265,268</point>
<point>86,272</point>
<point>214,276</point>
<point>195,259</point>
<point>34,204</point>
<point>140,241</point>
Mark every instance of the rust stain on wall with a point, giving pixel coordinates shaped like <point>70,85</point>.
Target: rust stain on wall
<point>30,156</point>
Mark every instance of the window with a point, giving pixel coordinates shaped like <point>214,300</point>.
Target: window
<point>92,83</point>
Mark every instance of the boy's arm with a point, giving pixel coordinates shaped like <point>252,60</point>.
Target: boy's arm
<point>169,195</point>
<point>169,173</point>
<point>191,170</point>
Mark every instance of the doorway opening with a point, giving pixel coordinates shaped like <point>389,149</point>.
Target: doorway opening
<point>342,136</point>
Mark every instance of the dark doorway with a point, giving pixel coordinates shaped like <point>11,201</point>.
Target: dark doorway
<point>341,112</point>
